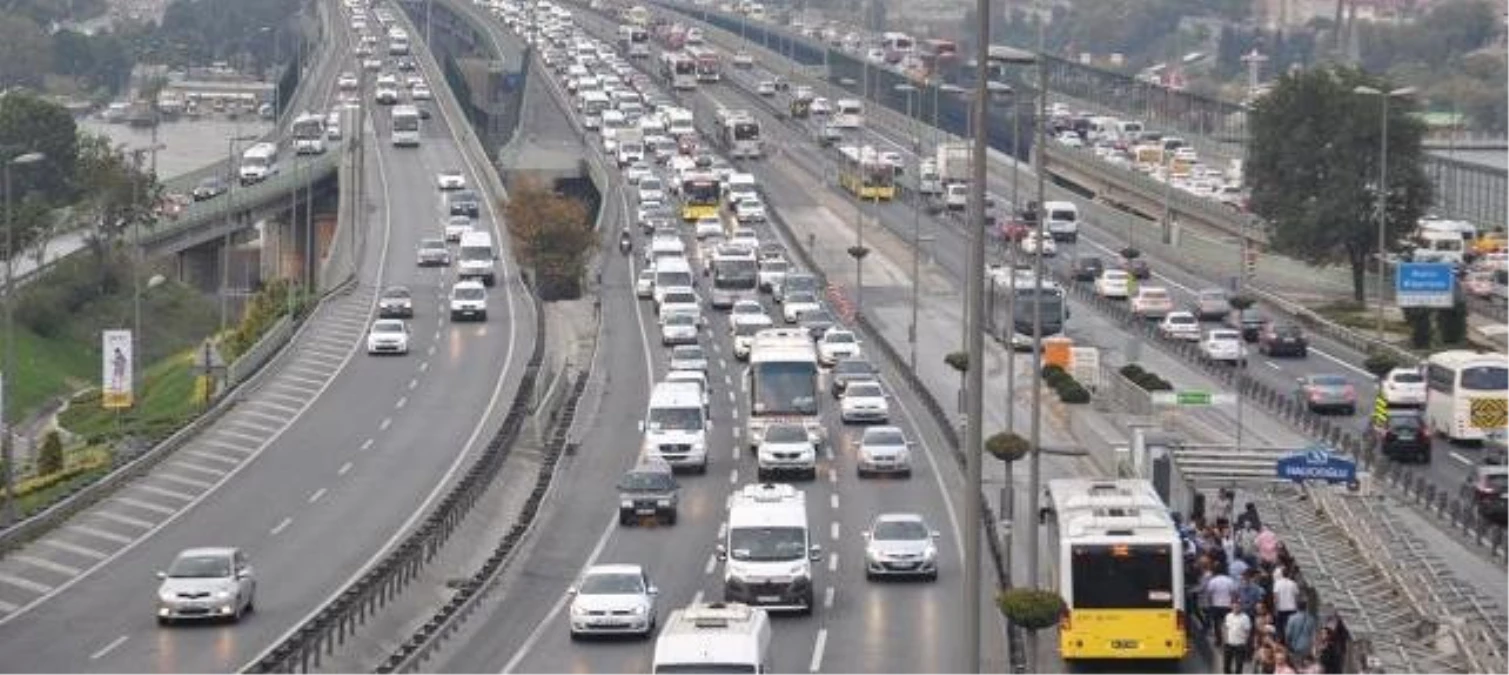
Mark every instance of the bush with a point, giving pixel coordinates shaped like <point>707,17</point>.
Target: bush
<point>265,308</point>
<point>1242,302</point>
<point>50,457</point>
<point>1132,371</point>
<point>1144,379</point>
<point>1453,324</point>
<point>1380,363</point>
<point>957,360</point>
<point>1031,609</point>
<point>1007,446</point>
<point>1418,319</point>
<point>1073,392</point>
<point>1130,253</point>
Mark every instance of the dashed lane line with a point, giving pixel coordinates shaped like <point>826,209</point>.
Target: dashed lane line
<point>833,501</point>
<point>27,584</point>
<point>124,519</point>
<point>367,444</point>
<point>181,480</point>
<point>164,492</point>
<point>317,496</point>
<point>102,651</point>
<point>344,468</point>
<point>282,525</point>
<point>386,422</point>
<point>712,564</point>
<point>817,651</point>
<point>833,530</point>
<point>402,401</point>
<point>828,594</point>
<point>833,563</point>
<point>201,454</point>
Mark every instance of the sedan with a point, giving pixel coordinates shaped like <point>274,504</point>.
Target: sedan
<point>451,179</point>
<point>1137,267</point>
<point>864,402</point>
<point>395,301</point>
<point>884,450</point>
<point>456,225</point>
<point>1403,387</point>
<point>901,544</point>
<point>637,171</point>
<point>210,188</point>
<point>434,252</point>
<point>644,284</point>
<point>748,311</point>
<point>1402,435</point>
<point>1152,302</point>
<point>1113,284</point>
<point>1328,393</point>
<point>797,304</point>
<point>421,93</point>
<point>1087,268</point>
<point>708,226</point>
<point>1224,346</point>
<point>613,600</point>
<point>1249,321</point>
<point>786,448</point>
<point>678,329</point>
<point>388,336</point>
<point>749,211</point>
<point>1031,244</point>
<point>1284,339</point>
<point>464,203</point>
<point>206,583</point>
<point>837,345</point>
<point>850,371</point>
<point>347,81</point>
<point>1180,326</point>
<point>688,357</point>
<point>1210,304</point>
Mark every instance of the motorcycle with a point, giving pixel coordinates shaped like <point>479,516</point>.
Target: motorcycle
<point>625,243</point>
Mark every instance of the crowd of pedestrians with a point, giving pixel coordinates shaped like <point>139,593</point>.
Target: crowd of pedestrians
<point>1248,598</point>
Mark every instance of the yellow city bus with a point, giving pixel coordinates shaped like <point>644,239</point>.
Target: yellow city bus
<point>1120,570</point>
<point>700,195</point>
<point>864,174</point>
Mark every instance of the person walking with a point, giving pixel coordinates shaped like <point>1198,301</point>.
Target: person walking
<point>1237,642</point>
<point>1299,630</point>
<point>1285,599</point>
<point>1220,593</point>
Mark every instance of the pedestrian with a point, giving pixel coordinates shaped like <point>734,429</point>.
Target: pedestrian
<point>1308,665</point>
<point>1249,520</point>
<point>1249,593</point>
<point>1267,545</point>
<point>1202,597</point>
<point>1331,651</point>
<point>1237,641</point>
<point>1225,501</point>
<point>1282,665</point>
<point>1220,592</point>
<point>1262,660</point>
<point>1299,630</point>
<point>1285,600</point>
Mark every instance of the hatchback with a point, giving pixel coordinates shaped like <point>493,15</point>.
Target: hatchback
<point>1328,393</point>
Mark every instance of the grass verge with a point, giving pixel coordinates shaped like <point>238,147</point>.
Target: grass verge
<point>167,401</point>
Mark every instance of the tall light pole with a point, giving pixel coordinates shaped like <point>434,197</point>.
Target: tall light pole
<point>1035,433</point>
<point>1383,187</point>
<point>911,332</point>
<point>232,180</point>
<point>7,463</point>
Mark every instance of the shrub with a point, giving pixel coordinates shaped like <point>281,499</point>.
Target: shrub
<point>1418,319</point>
<point>957,360</point>
<point>1379,363</point>
<point>1007,446</point>
<point>1242,302</point>
<point>1132,371</point>
<point>1130,253</point>
<point>1073,392</point>
<point>1452,324</point>
<point>1031,609</point>
<point>50,457</point>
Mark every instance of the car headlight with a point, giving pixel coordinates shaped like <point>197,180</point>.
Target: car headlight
<point>222,594</point>
<point>639,610</point>
<point>577,610</point>
<point>930,553</point>
<point>871,554</point>
<point>663,502</point>
<point>165,596</point>
<point>627,503</point>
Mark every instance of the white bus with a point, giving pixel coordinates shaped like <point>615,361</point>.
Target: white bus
<point>740,133</point>
<point>736,275</point>
<point>714,637</point>
<point>1466,393</point>
<point>782,380</point>
<point>405,126</point>
<point>683,73</point>
<point>308,132</point>
<point>1119,567</point>
<point>849,113</point>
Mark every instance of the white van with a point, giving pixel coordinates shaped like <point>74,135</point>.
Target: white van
<point>672,271</point>
<point>593,103</point>
<point>1063,220</point>
<point>714,638</point>
<point>257,162</point>
<point>477,257</point>
<point>676,428</point>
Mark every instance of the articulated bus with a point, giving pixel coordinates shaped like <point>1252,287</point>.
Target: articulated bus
<point>1119,566</point>
<point>405,126</point>
<point>782,380</point>
<point>708,69</point>
<point>1466,394</point>
<point>1029,301</point>
<point>865,175</point>
<point>683,72</point>
<point>700,196</point>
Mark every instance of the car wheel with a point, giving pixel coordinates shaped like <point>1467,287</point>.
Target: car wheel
<point>164,621</point>
<point>761,475</point>
<point>625,518</point>
<point>251,603</point>
<point>575,636</point>
<point>869,576</point>
<point>670,518</point>
<point>932,576</point>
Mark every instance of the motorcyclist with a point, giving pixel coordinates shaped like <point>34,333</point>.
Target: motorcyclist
<point>625,241</point>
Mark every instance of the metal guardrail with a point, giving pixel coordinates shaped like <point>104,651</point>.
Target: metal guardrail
<point>192,224</point>
<point>260,352</point>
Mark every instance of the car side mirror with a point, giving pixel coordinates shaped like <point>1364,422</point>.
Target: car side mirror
<point>721,552</point>
<point>936,534</point>
<point>161,574</point>
<point>244,573</point>
<point>571,591</point>
<point>653,590</point>
<point>815,553</point>
<point>641,426</point>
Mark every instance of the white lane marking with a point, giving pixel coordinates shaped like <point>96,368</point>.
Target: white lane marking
<point>367,444</point>
<point>182,464</point>
<point>1458,456</point>
<point>828,451</point>
<point>728,380</point>
<point>282,525</point>
<point>124,520</point>
<point>430,351</point>
<point>828,594</point>
<point>271,393</point>
<point>227,445</point>
<point>212,457</point>
<point>817,651</point>
<point>73,548</point>
<point>722,530</point>
<point>1272,365</point>
<point>182,480</point>
<point>833,563</point>
<point>7,607</point>
<point>286,409</point>
<point>833,476</point>
<point>99,534</point>
<point>307,380</point>
<point>733,476</point>
<point>344,468</point>
<point>164,492</point>
<point>437,335</point>
<point>60,568</point>
<point>731,398</point>
<point>249,424</point>
<point>943,493</point>
<point>712,564</point>
<point>424,366</point>
<point>318,494</point>
<point>402,401</point>
<point>146,505</point>
<point>255,440</point>
<point>413,382</point>
<point>28,584</point>
<point>833,530</point>
<point>833,500</point>
<point>560,604</point>
<point>386,422</point>
<point>109,648</point>
<point>697,597</point>
<point>734,451</point>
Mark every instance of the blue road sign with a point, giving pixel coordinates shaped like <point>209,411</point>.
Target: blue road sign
<point>1317,463</point>
<point>1425,285</point>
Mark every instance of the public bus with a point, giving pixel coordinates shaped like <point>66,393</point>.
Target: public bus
<point>865,175</point>
<point>1119,566</point>
<point>736,275</point>
<point>405,126</point>
<point>683,72</point>
<point>1028,300</point>
<point>1466,394</point>
<point>739,132</point>
<point>308,132</point>
<point>783,383</point>
<point>896,46</point>
<point>706,60</point>
<point>637,15</point>
<point>700,196</point>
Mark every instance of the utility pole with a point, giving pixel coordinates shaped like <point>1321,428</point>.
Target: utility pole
<point>1035,460</point>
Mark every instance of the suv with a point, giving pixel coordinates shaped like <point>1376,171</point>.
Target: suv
<point>1249,321</point>
<point>1401,434</point>
<point>648,491</point>
<point>1488,490</point>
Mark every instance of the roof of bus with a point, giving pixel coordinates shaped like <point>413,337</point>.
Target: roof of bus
<point>1120,511</point>
<point>1457,358</point>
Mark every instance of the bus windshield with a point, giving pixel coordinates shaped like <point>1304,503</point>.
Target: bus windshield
<point>746,131</point>
<point>1123,577</point>
<point>700,191</point>
<point>784,388</point>
<point>735,274</point>
<point>406,123</point>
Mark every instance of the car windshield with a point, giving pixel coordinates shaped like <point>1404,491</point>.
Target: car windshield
<point>863,390</point>
<point>784,388</point>
<point>679,299</point>
<point>748,308</point>
<point>684,352</point>
<point>1212,296</point>
<point>837,337</point>
<point>387,327</point>
<point>676,419</point>
<point>1408,377</point>
<point>462,221</point>
<point>680,320</point>
<point>801,298</point>
<point>884,437</point>
<point>464,197</point>
<point>468,293</point>
<point>774,266</point>
<point>1288,330</point>
<point>853,367</point>
<point>785,433</point>
<point>1328,381</point>
<point>1181,318</point>
<point>200,567</point>
<point>432,244</point>
<point>749,328</point>
<point>396,294</point>
<point>767,543</point>
<point>1224,335</point>
<point>1154,294</point>
<point>612,584</point>
<point>900,530</point>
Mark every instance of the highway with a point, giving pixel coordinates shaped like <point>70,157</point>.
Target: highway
<point>858,625</point>
<point>314,475</point>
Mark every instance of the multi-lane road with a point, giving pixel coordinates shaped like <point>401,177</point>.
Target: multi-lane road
<point>314,475</point>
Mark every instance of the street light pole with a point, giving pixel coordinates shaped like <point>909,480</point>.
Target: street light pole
<point>1035,460</point>
<point>1383,188</point>
<point>7,386</point>
<point>911,333</point>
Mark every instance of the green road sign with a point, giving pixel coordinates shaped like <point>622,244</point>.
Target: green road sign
<point>1192,399</point>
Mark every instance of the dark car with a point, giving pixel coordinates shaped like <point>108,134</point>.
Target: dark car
<point>818,322</point>
<point>1249,321</point>
<point>1401,435</point>
<point>1138,268</point>
<point>1087,268</point>
<point>210,188</point>
<point>850,370</point>
<point>464,203</point>
<point>396,302</point>
<point>1283,339</point>
<point>1488,490</point>
<point>648,491</point>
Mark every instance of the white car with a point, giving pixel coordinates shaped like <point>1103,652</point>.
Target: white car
<point>678,329</point>
<point>765,88</point>
<point>421,93</point>
<point>901,545</point>
<point>797,304</point>
<point>1224,345</point>
<point>1030,244</point>
<point>386,95</point>
<point>1113,284</point>
<point>837,345</point>
<point>708,226</point>
<point>746,310</point>
<point>1180,326</point>
<point>746,237</point>
<point>884,450</point>
<point>1404,387</point>
<point>644,284</point>
<point>743,60</point>
<point>348,81</point>
<point>1152,302</point>
<point>468,300</point>
<point>651,189</point>
<point>372,64</point>
<point>388,336</point>
<point>772,273</point>
<point>864,401</point>
<point>206,583</point>
<point>785,448</point>
<point>451,179</point>
<point>820,106</point>
<point>679,301</point>
<point>688,357</point>
<point>613,600</point>
<point>456,226</point>
<point>749,211</point>
<point>637,171</point>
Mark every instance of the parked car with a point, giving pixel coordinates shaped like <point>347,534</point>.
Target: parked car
<point>1324,393</point>
<point>1283,339</point>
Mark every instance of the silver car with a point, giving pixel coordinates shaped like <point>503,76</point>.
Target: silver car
<point>901,544</point>
<point>206,583</point>
<point>688,357</point>
<point>884,450</point>
<point>1210,304</point>
<point>433,252</point>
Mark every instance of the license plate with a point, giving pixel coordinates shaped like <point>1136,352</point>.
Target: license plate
<point>768,598</point>
<point>608,624</point>
<point>1123,644</point>
<point>645,512</point>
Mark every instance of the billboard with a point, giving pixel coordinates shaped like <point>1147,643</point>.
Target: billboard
<point>116,384</point>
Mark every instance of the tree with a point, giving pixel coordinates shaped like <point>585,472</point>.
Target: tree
<point>552,237</point>
<point>1314,167</point>
<point>97,61</point>
<point>28,123</point>
<point>50,456</point>
<point>1418,319</point>
<point>24,52</point>
<point>1031,609</point>
<point>114,190</point>
<point>1452,323</point>
<point>1007,446</point>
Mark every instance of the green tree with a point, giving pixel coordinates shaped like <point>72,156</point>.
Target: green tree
<point>1418,319</point>
<point>1314,166</point>
<point>50,456</point>
<point>29,123</point>
<point>24,52</point>
<point>114,190</point>
<point>1452,323</point>
<point>97,61</point>
<point>1031,609</point>
<point>552,237</point>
